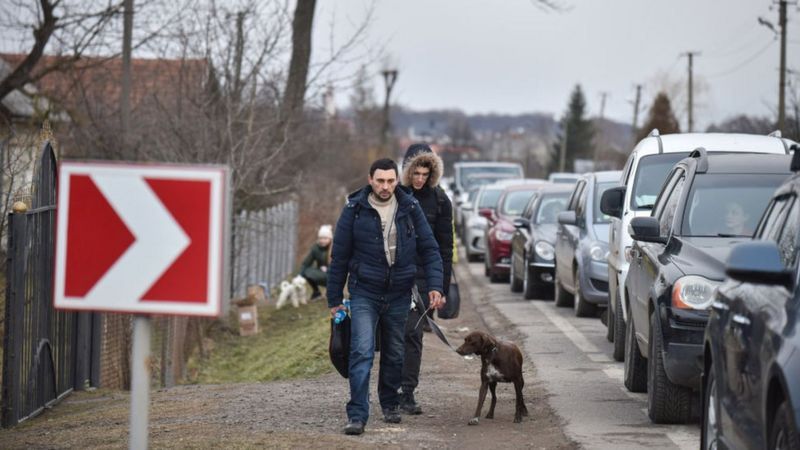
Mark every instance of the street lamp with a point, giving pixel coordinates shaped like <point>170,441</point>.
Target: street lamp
<point>389,78</point>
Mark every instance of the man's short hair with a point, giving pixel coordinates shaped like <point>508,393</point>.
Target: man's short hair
<point>383,164</point>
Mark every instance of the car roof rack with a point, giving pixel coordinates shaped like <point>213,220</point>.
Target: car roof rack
<point>654,133</point>
<point>702,159</point>
<point>795,165</point>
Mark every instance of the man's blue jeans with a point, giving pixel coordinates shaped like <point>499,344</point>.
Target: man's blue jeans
<point>364,315</point>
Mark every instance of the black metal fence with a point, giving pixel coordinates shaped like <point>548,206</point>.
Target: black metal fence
<point>47,353</point>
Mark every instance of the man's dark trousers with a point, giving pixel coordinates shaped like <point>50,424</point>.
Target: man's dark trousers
<point>413,340</point>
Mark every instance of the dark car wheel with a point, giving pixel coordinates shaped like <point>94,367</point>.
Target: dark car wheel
<point>562,297</point>
<point>635,364</point>
<point>472,257</point>
<point>487,270</point>
<point>783,434</point>
<point>667,402</point>
<point>516,283</point>
<point>711,428</point>
<point>619,330</point>
<point>582,307</point>
<point>609,324</point>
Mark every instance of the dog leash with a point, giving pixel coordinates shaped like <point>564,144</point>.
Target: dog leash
<point>417,299</point>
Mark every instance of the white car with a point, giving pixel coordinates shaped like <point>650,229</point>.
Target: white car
<point>642,177</point>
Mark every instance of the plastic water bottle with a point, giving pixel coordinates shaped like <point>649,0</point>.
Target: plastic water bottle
<point>342,313</point>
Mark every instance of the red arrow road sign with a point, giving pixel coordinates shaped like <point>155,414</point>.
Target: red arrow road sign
<point>141,238</point>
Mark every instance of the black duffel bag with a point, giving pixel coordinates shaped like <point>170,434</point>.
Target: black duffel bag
<point>339,346</point>
<point>453,305</point>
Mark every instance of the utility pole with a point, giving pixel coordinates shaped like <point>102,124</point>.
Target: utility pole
<point>389,78</point>
<point>125,100</point>
<point>635,125</point>
<point>562,157</point>
<point>603,95</point>
<point>782,76</point>
<point>690,105</point>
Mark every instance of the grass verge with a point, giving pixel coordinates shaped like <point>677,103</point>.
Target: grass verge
<point>293,343</point>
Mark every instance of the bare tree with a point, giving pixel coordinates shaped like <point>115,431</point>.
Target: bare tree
<point>68,30</point>
<point>294,94</point>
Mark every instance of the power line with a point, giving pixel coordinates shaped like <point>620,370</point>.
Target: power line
<point>747,61</point>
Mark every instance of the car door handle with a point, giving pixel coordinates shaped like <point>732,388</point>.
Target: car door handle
<point>740,319</point>
<point>719,306</point>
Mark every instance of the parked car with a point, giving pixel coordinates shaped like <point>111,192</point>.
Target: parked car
<point>642,177</point>
<point>563,177</point>
<point>708,203</point>
<point>532,244</point>
<point>475,226</point>
<point>501,228</point>
<point>581,246</point>
<point>462,172</point>
<point>751,390</point>
<point>474,234</point>
<point>463,212</point>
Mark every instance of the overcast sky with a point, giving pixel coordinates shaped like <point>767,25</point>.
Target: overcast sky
<point>509,56</point>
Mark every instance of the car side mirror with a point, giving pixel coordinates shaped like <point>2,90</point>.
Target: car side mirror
<point>612,201</point>
<point>466,206</point>
<point>519,222</point>
<point>567,218</point>
<point>646,229</point>
<point>758,262</point>
<point>486,212</point>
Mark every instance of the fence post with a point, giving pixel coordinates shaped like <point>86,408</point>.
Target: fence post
<point>12,345</point>
<point>97,344</point>
<point>270,249</point>
<point>293,230</point>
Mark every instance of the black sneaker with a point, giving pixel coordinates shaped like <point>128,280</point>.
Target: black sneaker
<point>408,405</point>
<point>354,428</point>
<point>392,415</point>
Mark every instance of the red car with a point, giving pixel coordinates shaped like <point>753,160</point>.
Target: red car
<point>501,228</point>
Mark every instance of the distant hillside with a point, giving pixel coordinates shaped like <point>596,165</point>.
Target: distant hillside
<point>436,123</point>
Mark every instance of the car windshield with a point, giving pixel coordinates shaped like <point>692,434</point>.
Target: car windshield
<point>550,206</point>
<point>599,188</point>
<point>727,205</point>
<point>650,175</point>
<point>485,172</point>
<point>489,198</point>
<point>515,202</point>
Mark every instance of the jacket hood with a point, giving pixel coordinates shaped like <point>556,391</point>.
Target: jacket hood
<point>437,168</point>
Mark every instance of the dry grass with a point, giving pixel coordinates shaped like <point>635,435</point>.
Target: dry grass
<point>293,343</point>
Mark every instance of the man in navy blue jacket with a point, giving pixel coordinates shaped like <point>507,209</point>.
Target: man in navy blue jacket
<point>379,235</point>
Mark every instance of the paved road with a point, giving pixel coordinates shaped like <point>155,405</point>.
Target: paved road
<point>574,362</point>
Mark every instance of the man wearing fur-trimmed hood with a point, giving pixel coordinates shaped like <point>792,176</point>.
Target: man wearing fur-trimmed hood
<point>422,170</point>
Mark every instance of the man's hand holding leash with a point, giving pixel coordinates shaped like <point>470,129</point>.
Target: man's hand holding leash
<point>437,300</point>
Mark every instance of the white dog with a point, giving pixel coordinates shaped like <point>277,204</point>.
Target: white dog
<point>295,291</point>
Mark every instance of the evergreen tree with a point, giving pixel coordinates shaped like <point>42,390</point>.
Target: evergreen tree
<point>578,132</point>
<point>660,117</point>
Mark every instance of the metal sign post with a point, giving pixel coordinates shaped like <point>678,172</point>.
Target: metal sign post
<point>140,383</point>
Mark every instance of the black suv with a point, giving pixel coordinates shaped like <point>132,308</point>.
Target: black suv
<point>708,203</point>
<point>752,348</point>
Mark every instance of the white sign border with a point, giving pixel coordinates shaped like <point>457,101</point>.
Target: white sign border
<point>219,214</point>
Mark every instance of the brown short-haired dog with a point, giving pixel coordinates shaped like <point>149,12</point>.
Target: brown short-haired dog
<point>501,361</point>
